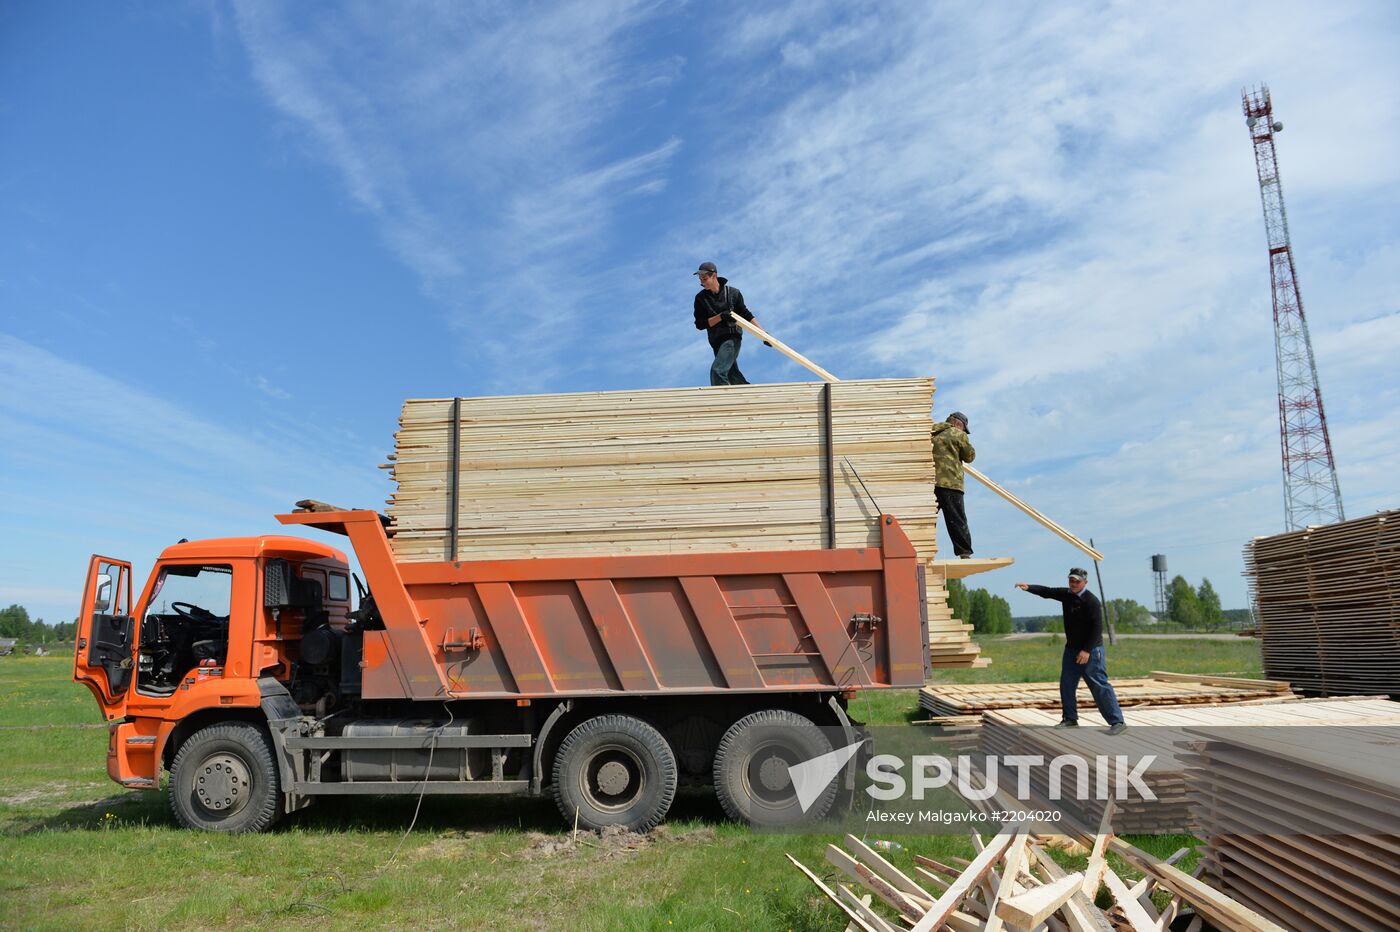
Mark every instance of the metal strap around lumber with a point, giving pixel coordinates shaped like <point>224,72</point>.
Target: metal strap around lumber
<point>829,465</point>
<point>454,468</point>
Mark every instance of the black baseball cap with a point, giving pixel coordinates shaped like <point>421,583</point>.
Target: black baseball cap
<point>1078,572</point>
<point>705,267</point>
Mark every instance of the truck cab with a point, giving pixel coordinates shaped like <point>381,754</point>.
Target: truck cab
<point>215,617</point>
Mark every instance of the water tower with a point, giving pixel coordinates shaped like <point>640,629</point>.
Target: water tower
<point>1159,576</point>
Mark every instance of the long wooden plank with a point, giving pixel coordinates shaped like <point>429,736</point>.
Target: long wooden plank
<point>960,888</point>
<point>1009,496</point>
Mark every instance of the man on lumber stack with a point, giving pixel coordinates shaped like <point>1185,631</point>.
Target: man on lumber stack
<point>715,306</point>
<point>1083,656</point>
<point>952,448</point>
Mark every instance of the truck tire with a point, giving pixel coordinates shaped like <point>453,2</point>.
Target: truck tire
<point>751,769</point>
<point>614,770</point>
<point>224,779</point>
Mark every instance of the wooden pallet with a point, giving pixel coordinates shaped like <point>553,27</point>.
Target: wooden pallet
<point>1159,688</point>
<point>1327,605</point>
<point>1253,798</point>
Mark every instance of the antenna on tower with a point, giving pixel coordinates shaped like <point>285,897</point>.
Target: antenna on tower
<point>1310,491</point>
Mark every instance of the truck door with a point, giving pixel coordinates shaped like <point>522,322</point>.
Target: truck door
<point>104,655</point>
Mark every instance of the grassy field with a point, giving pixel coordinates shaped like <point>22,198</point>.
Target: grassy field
<point>77,851</point>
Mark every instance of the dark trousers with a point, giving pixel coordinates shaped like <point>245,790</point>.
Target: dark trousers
<point>725,370</point>
<point>1095,673</point>
<point>950,507</point>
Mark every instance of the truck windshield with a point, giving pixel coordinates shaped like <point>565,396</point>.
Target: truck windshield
<point>186,622</point>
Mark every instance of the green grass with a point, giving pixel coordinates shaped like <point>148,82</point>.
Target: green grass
<point>78,851</point>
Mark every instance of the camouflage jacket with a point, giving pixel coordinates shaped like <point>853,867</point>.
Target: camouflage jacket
<point>951,448</point>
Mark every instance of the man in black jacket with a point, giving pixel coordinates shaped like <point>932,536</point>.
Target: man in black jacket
<point>715,306</point>
<point>1083,657</point>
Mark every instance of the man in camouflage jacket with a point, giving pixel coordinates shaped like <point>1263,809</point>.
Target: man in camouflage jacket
<point>952,448</point>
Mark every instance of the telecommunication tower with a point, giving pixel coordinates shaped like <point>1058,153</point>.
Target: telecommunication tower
<point>1310,491</point>
<point>1159,578</point>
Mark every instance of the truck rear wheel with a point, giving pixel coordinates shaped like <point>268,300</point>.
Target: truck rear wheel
<point>752,779</point>
<point>614,770</point>
<point>224,779</point>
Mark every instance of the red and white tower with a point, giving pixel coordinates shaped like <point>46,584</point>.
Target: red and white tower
<point>1310,491</point>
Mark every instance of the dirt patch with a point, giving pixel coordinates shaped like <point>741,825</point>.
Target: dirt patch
<point>49,791</point>
<point>611,843</point>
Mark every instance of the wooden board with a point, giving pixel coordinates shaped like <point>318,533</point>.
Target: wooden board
<point>1347,874</point>
<point>953,699</point>
<point>1159,731</point>
<point>1327,605</point>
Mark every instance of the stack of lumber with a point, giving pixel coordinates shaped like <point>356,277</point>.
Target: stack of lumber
<point>1305,833</point>
<point>1160,732</point>
<point>1156,689</point>
<point>1327,605</point>
<point>1014,883</point>
<point>686,470</point>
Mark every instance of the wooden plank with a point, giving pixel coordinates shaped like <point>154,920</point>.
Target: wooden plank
<point>1028,910</point>
<point>1136,915</point>
<point>885,869</point>
<point>859,918</point>
<point>1021,504</point>
<point>905,905</point>
<point>960,888</point>
<point>1015,856</point>
<point>1209,902</point>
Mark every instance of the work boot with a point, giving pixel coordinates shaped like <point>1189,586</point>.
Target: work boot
<point>1068,723</point>
<point>964,556</point>
<point>1118,729</point>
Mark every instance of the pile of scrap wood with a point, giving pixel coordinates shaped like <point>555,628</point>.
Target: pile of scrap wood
<point>1160,733</point>
<point>686,470</point>
<point>1014,883</point>
<point>1327,605</point>
<point>1156,689</point>
<point>1305,833</point>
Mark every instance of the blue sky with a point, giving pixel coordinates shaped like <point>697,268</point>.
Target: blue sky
<point>235,236</point>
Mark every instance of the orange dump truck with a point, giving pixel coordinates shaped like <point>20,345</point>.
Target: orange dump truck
<point>243,669</point>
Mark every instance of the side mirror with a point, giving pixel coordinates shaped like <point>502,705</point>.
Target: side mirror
<point>103,600</point>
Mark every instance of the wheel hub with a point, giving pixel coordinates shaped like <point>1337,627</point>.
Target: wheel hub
<point>222,783</point>
<point>773,774</point>
<point>613,778</point>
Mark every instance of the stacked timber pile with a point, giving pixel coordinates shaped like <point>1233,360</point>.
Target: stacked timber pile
<point>1157,689</point>
<point>1014,883</point>
<point>687,470</point>
<point>1327,605</point>
<point>1161,733</point>
<point>1306,835</point>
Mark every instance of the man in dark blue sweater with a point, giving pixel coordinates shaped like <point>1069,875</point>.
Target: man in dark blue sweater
<point>1083,657</point>
<point>715,306</point>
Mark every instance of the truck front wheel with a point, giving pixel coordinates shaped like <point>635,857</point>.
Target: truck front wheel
<point>224,779</point>
<point>614,770</point>
<point>753,777</point>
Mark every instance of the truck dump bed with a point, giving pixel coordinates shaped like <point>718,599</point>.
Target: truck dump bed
<point>810,620</point>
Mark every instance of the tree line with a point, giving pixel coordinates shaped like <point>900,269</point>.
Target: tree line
<point>1194,608</point>
<point>16,623</point>
<point>987,613</point>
